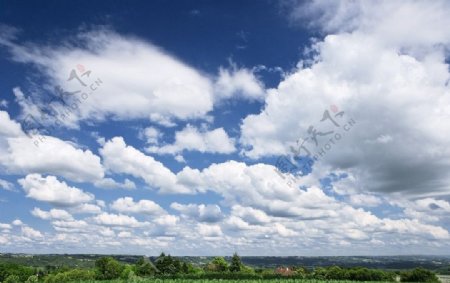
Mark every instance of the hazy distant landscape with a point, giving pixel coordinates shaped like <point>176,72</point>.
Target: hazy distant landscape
<point>439,264</point>
<point>130,268</point>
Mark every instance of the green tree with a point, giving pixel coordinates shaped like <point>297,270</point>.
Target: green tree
<point>185,268</point>
<point>107,268</point>
<point>218,264</point>
<point>12,279</point>
<point>236,264</point>
<point>419,275</point>
<point>32,279</point>
<point>167,265</point>
<point>144,267</point>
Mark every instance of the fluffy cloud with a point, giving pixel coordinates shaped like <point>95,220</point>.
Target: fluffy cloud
<point>365,200</point>
<point>31,233</point>
<point>10,128</point>
<point>238,82</point>
<point>108,183</point>
<point>151,135</point>
<point>116,220</point>
<point>127,205</point>
<point>192,139</point>
<point>209,230</point>
<point>49,189</point>
<point>5,226</point>
<point>137,78</point>
<point>57,214</point>
<point>7,186</point>
<point>391,82</point>
<point>120,158</point>
<point>45,154</point>
<point>200,212</point>
<point>390,22</point>
<point>259,186</point>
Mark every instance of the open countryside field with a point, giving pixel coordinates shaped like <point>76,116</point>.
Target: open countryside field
<point>442,278</point>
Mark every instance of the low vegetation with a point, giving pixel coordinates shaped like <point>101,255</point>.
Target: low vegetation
<point>173,270</point>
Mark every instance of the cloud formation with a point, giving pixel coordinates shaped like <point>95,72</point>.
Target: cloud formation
<point>391,82</point>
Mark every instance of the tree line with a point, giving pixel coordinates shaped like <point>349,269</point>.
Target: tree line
<point>166,266</point>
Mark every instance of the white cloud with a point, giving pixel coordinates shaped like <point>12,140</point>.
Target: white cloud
<point>208,230</point>
<point>5,226</point>
<point>120,158</point>
<point>365,200</point>
<point>22,154</point>
<point>200,212</point>
<point>7,186</point>
<point>70,224</point>
<point>53,156</point>
<point>4,103</point>
<point>49,189</point>
<point>10,128</point>
<point>137,77</point>
<point>127,205</point>
<point>109,183</point>
<point>192,139</point>
<point>17,222</point>
<point>151,135</point>
<point>250,215</point>
<point>116,220</point>
<point>258,186</point>
<point>31,233</point>
<point>57,214</point>
<point>86,208</point>
<point>236,82</point>
<point>393,82</point>
<point>389,22</point>
<point>167,220</point>
<point>180,158</point>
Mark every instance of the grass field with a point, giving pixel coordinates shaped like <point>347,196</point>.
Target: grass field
<point>223,281</point>
<point>444,278</point>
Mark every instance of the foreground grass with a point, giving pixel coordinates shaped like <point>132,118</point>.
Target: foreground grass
<point>225,281</point>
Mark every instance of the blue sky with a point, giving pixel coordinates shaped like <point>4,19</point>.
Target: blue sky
<point>163,126</point>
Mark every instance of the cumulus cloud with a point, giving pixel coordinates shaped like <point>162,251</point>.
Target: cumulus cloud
<point>128,205</point>
<point>109,183</point>
<point>137,77</point>
<point>116,220</point>
<point>49,155</point>
<point>56,214</point>
<point>193,139</point>
<point>5,226</point>
<point>391,82</point>
<point>208,230</point>
<point>365,200</point>
<point>238,82</point>
<point>151,135</point>
<point>200,212</point>
<point>7,186</point>
<point>49,189</point>
<point>31,233</point>
<point>121,158</point>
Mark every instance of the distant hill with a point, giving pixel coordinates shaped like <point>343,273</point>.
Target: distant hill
<point>440,264</point>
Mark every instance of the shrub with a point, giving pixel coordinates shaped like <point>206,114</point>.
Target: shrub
<point>12,279</point>
<point>32,279</point>
<point>107,268</point>
<point>418,275</point>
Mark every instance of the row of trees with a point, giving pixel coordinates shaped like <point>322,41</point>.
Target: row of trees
<point>107,268</point>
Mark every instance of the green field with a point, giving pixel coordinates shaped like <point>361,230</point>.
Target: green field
<point>222,281</point>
